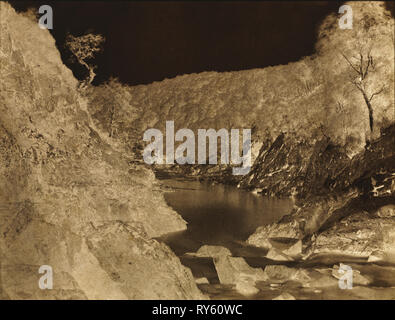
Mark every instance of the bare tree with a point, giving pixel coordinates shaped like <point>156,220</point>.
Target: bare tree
<point>84,48</point>
<point>360,70</point>
<point>344,116</point>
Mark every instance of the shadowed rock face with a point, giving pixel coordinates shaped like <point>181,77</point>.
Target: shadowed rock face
<point>364,182</point>
<point>360,234</point>
<point>68,198</point>
<point>286,167</point>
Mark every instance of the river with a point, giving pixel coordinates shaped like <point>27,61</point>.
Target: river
<point>218,214</point>
<point>224,215</point>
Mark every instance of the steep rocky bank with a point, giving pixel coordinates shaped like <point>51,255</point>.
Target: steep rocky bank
<point>313,134</point>
<point>323,132</point>
<point>303,115</point>
<point>362,184</point>
<point>68,198</point>
<point>75,195</point>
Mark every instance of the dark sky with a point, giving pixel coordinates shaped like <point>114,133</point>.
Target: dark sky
<point>149,41</point>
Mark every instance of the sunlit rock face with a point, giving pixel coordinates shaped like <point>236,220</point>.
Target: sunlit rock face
<point>68,198</point>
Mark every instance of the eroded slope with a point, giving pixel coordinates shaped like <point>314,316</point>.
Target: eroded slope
<point>68,198</point>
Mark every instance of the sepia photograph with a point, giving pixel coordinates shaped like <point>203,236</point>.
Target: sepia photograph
<point>202,156</point>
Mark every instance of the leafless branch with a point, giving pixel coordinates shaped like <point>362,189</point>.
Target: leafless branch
<point>377,92</point>
<point>351,65</point>
<point>362,68</point>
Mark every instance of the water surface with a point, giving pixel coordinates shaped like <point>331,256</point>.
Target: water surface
<point>225,215</point>
<point>218,214</point>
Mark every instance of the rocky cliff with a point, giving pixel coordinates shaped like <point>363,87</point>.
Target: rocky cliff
<point>323,127</point>
<point>73,194</point>
<point>364,183</point>
<point>68,198</point>
<point>302,114</point>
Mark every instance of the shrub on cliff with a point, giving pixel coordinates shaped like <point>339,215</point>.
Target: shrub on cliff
<point>84,48</point>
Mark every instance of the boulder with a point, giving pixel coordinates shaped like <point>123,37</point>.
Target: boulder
<point>386,211</point>
<point>360,234</point>
<point>234,270</point>
<point>357,278</point>
<point>245,285</point>
<point>303,221</point>
<point>283,230</point>
<point>210,251</point>
<point>231,269</point>
<point>276,255</point>
<point>282,274</point>
<point>320,278</point>
<point>202,280</point>
<point>294,250</point>
<point>285,296</point>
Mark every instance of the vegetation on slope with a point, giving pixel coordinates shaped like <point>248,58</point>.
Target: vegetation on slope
<point>68,198</point>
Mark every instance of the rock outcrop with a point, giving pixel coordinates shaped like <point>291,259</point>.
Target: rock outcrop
<point>312,130</point>
<point>68,198</point>
<point>307,118</point>
<point>285,296</point>
<point>358,235</point>
<point>75,196</point>
<point>234,270</point>
<point>281,274</point>
<point>364,182</point>
<point>211,251</point>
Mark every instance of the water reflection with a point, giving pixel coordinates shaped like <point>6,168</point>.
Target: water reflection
<point>225,215</point>
<point>218,214</point>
